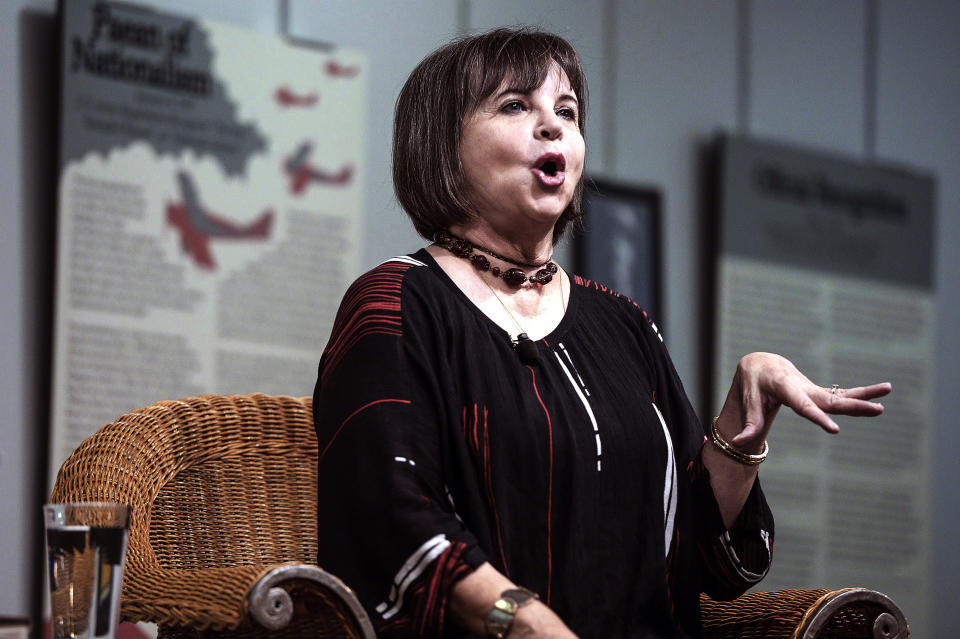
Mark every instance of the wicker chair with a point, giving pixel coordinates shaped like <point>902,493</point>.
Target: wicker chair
<point>223,532</point>
<point>223,524</point>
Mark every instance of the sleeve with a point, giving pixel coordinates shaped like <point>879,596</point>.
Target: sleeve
<point>736,559</point>
<point>731,561</point>
<point>385,521</point>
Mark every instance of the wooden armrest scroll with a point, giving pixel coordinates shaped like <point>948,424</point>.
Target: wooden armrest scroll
<point>271,606</point>
<point>888,622</point>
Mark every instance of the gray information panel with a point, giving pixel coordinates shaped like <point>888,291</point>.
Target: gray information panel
<point>827,261</point>
<point>820,211</point>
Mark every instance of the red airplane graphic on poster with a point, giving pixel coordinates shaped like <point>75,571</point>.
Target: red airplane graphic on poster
<point>337,70</point>
<point>286,97</point>
<point>198,226</point>
<point>301,173</point>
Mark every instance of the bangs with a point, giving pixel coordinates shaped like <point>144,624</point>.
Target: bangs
<point>522,59</point>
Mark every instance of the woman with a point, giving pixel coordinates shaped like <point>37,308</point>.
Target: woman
<point>490,427</point>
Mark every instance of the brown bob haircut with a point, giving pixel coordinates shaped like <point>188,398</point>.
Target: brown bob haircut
<point>445,88</point>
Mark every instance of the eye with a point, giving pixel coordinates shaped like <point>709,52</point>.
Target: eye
<point>567,113</point>
<point>513,106</point>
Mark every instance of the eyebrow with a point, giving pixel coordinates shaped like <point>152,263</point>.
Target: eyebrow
<point>561,98</point>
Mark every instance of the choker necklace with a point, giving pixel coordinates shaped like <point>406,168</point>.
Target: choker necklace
<point>514,277</point>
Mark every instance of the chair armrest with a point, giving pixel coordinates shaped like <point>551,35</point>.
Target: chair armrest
<point>852,611</point>
<point>757,614</point>
<point>204,598</point>
<point>271,606</point>
<point>804,614</point>
<point>227,598</point>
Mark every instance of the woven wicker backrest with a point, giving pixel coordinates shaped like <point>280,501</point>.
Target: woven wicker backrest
<point>246,490</point>
<point>216,481</point>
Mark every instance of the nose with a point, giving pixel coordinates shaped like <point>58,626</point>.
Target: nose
<point>550,127</point>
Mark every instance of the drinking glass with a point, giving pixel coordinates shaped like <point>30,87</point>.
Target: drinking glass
<point>86,548</point>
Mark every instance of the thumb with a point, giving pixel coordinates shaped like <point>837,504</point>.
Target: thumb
<point>754,419</point>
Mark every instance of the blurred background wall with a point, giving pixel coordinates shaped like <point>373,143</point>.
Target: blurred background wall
<point>874,79</point>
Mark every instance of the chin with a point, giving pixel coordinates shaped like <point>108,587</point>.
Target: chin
<point>552,210</point>
<point>548,218</point>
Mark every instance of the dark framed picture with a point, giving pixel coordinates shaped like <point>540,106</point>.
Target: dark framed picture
<point>619,245</point>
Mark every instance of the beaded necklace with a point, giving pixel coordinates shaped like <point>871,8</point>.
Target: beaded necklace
<point>513,277</point>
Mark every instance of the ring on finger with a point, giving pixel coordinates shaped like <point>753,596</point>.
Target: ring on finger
<point>834,388</point>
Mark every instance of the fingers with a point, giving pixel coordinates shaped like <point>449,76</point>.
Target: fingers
<point>865,392</point>
<point>764,381</point>
<point>803,403</point>
<point>854,401</point>
<point>807,400</point>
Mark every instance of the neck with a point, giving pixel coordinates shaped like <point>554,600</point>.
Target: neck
<point>530,248</point>
<point>537,308</point>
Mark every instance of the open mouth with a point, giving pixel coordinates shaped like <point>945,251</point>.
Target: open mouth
<point>551,164</point>
<point>549,169</point>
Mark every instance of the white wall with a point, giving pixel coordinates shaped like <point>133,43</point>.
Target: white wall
<point>26,253</point>
<point>676,84</point>
<point>807,72</point>
<point>665,75</point>
<point>918,91</point>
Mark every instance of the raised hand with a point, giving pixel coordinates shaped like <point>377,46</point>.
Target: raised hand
<point>765,381</point>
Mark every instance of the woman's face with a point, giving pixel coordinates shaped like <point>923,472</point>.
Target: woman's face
<point>522,154</point>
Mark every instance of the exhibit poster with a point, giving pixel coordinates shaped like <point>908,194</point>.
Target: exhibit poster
<point>619,243</point>
<point>828,261</point>
<point>209,210</point>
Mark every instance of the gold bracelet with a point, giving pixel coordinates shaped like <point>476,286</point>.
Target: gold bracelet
<point>735,453</point>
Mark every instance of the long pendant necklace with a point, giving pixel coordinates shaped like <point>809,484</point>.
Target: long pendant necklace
<point>525,347</point>
<point>513,277</point>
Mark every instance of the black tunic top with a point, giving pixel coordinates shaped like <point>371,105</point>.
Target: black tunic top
<point>577,476</point>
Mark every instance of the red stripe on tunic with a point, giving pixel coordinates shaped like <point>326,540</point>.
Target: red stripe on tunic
<point>352,415</point>
<point>476,437</point>
<point>533,379</point>
<point>481,453</point>
<point>582,281</point>
<point>490,495</point>
<point>425,602</point>
<point>370,307</point>
<point>449,568</point>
